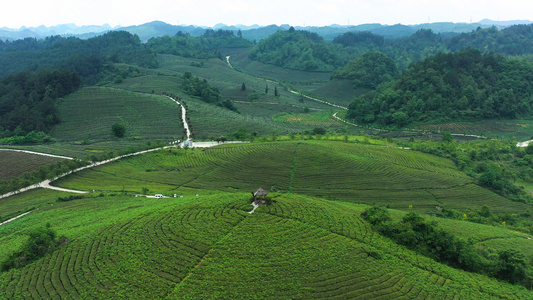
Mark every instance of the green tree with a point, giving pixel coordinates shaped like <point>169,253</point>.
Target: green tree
<point>447,137</point>
<point>118,130</point>
<point>243,87</point>
<point>41,241</point>
<point>511,266</point>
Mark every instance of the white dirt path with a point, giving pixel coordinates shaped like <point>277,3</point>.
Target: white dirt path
<point>524,144</point>
<point>13,219</point>
<point>38,153</point>
<point>255,207</point>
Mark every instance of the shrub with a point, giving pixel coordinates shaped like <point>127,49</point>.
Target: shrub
<point>118,130</point>
<point>41,242</point>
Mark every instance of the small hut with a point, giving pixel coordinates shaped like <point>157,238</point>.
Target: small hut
<point>259,194</point>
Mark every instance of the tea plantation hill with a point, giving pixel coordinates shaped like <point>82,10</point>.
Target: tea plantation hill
<point>210,247</point>
<point>334,170</point>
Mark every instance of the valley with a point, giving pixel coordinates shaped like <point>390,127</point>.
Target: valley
<point>203,129</point>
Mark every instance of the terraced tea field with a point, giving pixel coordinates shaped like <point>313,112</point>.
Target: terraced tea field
<point>334,170</point>
<point>89,113</point>
<point>210,121</point>
<point>15,164</point>
<point>210,247</point>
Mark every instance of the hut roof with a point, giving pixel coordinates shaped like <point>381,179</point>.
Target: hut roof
<point>260,192</point>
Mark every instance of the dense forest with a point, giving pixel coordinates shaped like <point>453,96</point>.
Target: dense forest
<point>369,70</point>
<point>206,46</point>
<point>87,57</point>
<point>28,101</point>
<point>301,50</point>
<point>466,85</point>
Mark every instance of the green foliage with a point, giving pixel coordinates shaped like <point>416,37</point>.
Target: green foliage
<point>512,266</point>
<point>194,86</point>
<point>466,85</point>
<point>88,114</point>
<point>43,172</point>
<point>447,137</point>
<point>28,101</point>
<point>513,40</point>
<point>369,70</point>
<point>42,241</point>
<point>319,131</point>
<point>206,46</point>
<point>30,138</point>
<point>494,164</point>
<point>360,39</point>
<point>70,198</point>
<point>298,50</point>
<point>86,57</point>
<point>377,215</point>
<point>118,130</point>
<point>414,232</point>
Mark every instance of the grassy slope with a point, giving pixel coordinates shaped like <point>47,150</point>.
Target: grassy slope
<point>90,112</point>
<point>334,170</point>
<point>210,247</point>
<point>338,91</point>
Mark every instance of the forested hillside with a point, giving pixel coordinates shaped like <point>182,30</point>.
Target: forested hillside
<point>515,40</point>
<point>466,85</point>
<point>28,101</point>
<point>369,70</point>
<point>299,50</point>
<point>205,46</point>
<point>87,57</point>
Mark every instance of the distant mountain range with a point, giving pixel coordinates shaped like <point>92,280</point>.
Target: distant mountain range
<point>253,32</point>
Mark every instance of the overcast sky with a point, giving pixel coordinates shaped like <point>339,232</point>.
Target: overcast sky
<point>32,13</point>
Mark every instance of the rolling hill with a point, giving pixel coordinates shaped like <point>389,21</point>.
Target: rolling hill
<point>210,247</point>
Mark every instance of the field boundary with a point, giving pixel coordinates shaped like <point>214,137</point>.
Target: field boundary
<point>39,153</point>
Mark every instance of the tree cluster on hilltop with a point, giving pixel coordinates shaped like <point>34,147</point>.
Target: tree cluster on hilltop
<point>466,85</point>
<point>206,46</point>
<point>369,70</point>
<point>299,50</point>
